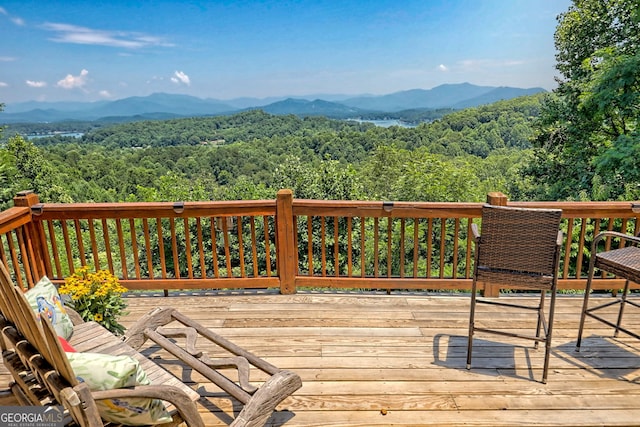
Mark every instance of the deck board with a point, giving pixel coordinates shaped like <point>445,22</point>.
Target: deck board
<point>378,360</point>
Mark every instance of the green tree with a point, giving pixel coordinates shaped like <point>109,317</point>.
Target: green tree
<point>31,171</point>
<point>587,140</point>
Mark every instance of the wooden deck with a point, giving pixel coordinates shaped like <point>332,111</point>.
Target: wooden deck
<point>379,360</point>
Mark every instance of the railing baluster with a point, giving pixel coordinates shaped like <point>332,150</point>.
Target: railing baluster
<point>67,246</point>
<point>147,247</point>
<point>456,243</point>
<point>134,247</point>
<point>163,263</point>
<point>121,246</point>
<point>214,248</point>
<point>243,272</point>
<point>187,249</point>
<point>336,247</point>
<point>310,244</point>
<point>416,246</point>
<point>376,248</point>
<point>402,254</point>
<point>107,243</point>
<point>349,247</point>
<point>227,251</point>
<point>267,246</point>
<point>199,235</point>
<point>362,247</point>
<point>443,244</point>
<point>254,247</point>
<point>94,244</point>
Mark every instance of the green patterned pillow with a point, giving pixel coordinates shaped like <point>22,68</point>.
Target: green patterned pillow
<point>45,300</point>
<point>106,372</point>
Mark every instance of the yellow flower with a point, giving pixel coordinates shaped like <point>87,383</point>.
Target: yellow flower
<point>97,317</point>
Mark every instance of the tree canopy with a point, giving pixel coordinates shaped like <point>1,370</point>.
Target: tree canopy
<point>587,142</point>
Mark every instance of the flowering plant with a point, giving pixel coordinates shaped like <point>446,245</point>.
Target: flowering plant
<point>96,296</point>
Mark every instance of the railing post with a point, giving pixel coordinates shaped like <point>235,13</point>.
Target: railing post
<point>285,242</point>
<point>495,199</point>
<point>34,259</point>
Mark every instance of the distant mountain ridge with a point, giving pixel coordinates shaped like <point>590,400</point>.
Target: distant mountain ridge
<point>457,96</point>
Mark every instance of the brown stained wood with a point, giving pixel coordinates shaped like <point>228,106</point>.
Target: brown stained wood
<point>214,248</point>
<point>227,250</point>
<point>429,245</point>
<point>267,245</point>
<point>121,247</point>
<point>310,244</point>
<point>54,248</point>
<point>174,248</point>
<point>467,270</point>
<point>456,244</point>
<point>362,247</point>
<point>416,245</point>
<point>336,247</point>
<point>200,237</point>
<point>376,248</point>
<point>402,249</point>
<point>323,246</point>
<point>349,246</point>
<point>147,247</point>
<point>134,247</point>
<point>443,239</point>
<point>187,247</point>
<point>239,230</point>
<point>14,258</point>
<point>389,247</point>
<point>24,254</point>
<point>254,244</point>
<point>94,244</point>
<point>163,265</point>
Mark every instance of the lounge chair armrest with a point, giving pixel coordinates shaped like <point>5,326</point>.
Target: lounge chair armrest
<point>185,406</point>
<point>76,319</point>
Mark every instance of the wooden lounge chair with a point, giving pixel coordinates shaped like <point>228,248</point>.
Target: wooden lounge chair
<point>43,375</point>
<point>518,248</point>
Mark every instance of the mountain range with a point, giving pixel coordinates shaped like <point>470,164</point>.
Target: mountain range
<point>165,106</point>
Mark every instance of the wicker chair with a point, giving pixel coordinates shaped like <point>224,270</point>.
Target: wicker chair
<point>624,263</point>
<point>519,248</point>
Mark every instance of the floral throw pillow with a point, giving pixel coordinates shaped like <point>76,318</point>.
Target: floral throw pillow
<point>45,301</point>
<point>106,372</point>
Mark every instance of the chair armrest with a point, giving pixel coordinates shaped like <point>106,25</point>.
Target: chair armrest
<point>184,405</point>
<point>605,234</point>
<point>559,239</point>
<point>475,231</point>
<point>75,317</point>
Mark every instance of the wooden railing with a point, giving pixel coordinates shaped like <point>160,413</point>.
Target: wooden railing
<point>284,243</point>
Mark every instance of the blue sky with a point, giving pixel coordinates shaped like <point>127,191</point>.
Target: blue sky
<point>90,50</point>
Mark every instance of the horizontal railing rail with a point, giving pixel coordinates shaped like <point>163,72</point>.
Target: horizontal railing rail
<point>284,243</point>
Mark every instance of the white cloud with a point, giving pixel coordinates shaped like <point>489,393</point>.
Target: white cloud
<point>3,84</point>
<point>71,81</point>
<point>7,59</point>
<point>66,33</point>
<point>181,77</point>
<point>443,67</point>
<point>490,63</point>
<point>105,94</point>
<point>15,19</point>
<point>32,83</point>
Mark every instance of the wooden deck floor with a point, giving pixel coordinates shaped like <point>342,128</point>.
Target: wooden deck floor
<point>380,360</point>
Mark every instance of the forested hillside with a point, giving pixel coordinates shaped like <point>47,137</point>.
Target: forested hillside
<point>253,154</point>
